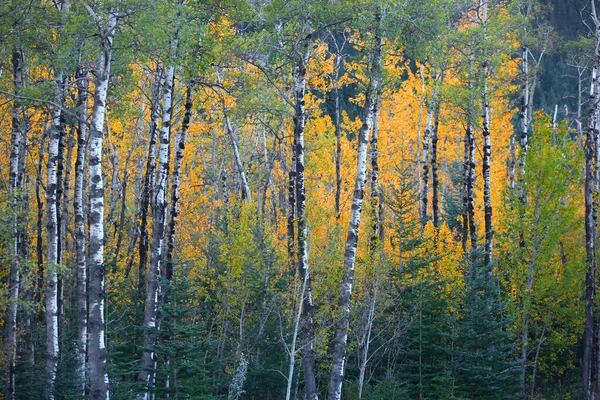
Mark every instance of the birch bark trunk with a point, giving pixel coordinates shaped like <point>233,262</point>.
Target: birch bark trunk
<point>435,203</point>
<point>374,153</point>
<point>487,153</point>
<point>51,279</point>
<point>341,336</point>
<point>338,134</point>
<point>97,328</point>
<point>524,111</point>
<point>176,181</point>
<point>80,234</point>
<point>425,164</point>
<point>308,358</point>
<point>15,196</point>
<point>148,363</point>
<point>591,223</point>
<point>148,188</point>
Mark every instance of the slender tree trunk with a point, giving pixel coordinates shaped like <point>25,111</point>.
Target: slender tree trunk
<point>419,124</point>
<point>51,299</point>
<point>487,155</point>
<point>148,188</point>
<point>292,352</point>
<point>308,358</point>
<point>176,181</point>
<point>471,190</point>
<point>486,167</point>
<point>374,153</point>
<point>99,389</point>
<point>364,350</point>
<point>341,336</point>
<point>15,197</point>
<point>238,159</point>
<point>148,364</point>
<point>469,169</point>
<point>591,224</point>
<point>512,161</point>
<point>338,135</point>
<point>80,234</point>
<point>234,143</point>
<point>40,220</point>
<point>291,218</point>
<point>425,164</point>
<point>435,184</point>
<point>524,111</point>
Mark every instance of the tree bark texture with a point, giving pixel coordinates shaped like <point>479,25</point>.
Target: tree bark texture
<point>307,316</point>
<point>80,233</point>
<point>148,188</point>
<point>15,198</point>
<point>341,336</point>
<point>51,279</point>
<point>99,389</point>
<point>148,364</point>
<point>591,226</point>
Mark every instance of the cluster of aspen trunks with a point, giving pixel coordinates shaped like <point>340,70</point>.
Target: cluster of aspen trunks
<point>191,64</point>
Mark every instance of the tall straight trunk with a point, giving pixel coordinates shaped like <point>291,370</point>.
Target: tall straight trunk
<point>512,161</point>
<point>435,184</point>
<point>291,217</point>
<point>159,207</point>
<point>469,227</point>
<point>80,234</point>
<point>470,187</point>
<point>180,139</point>
<point>292,352</point>
<point>486,167</point>
<point>338,135</point>
<point>28,279</point>
<point>15,196</point>
<point>591,223</point>
<point>424,195</point>
<point>308,357</point>
<point>97,335</point>
<point>60,181</point>
<point>374,154</point>
<point>176,181</point>
<point>419,124</point>
<point>487,154</point>
<point>51,281</point>
<point>341,336</point>
<point>148,187</point>
<point>39,245</point>
<point>524,111</point>
<point>366,342</point>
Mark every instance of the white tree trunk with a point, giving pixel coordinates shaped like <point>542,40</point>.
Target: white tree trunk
<point>15,199</point>
<point>80,234</point>
<point>341,336</point>
<point>487,155</point>
<point>97,334</point>
<point>51,299</point>
<point>148,364</point>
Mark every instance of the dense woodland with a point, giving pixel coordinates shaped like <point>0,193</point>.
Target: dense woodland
<point>299,199</point>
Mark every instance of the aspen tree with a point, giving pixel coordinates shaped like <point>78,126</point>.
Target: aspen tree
<point>341,337</point>
<point>97,292</point>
